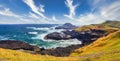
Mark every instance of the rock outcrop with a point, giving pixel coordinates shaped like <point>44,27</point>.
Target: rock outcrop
<point>66,26</point>
<point>86,37</point>
<point>60,51</point>
<point>16,45</point>
<point>57,36</point>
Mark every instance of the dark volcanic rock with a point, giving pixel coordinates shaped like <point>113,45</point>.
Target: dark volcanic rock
<point>72,34</point>
<point>91,35</point>
<point>86,37</point>
<point>66,26</point>
<point>64,35</point>
<point>16,45</point>
<point>56,36</point>
<point>60,51</point>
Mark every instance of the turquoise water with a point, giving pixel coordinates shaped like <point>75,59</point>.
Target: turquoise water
<point>34,34</point>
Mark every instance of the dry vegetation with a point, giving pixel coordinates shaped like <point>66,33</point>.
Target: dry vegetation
<point>104,49</point>
<point>11,55</point>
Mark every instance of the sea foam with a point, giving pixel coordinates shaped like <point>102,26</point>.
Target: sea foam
<point>37,28</point>
<point>52,43</point>
<point>61,43</point>
<point>4,38</point>
<point>33,33</point>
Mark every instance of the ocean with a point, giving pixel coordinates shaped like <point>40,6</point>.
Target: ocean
<point>34,35</point>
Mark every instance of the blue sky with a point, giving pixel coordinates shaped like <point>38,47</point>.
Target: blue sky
<point>79,12</point>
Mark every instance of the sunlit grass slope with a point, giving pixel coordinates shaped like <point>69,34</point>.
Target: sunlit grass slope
<point>103,26</point>
<point>104,49</point>
<point>11,55</point>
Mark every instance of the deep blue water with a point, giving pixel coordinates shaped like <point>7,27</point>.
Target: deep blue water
<point>33,34</point>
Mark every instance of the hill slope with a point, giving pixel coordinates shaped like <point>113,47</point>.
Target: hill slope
<point>112,24</point>
<point>12,55</point>
<point>105,26</point>
<point>104,49</point>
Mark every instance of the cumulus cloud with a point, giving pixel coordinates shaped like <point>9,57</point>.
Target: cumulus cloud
<point>38,10</point>
<point>72,8</point>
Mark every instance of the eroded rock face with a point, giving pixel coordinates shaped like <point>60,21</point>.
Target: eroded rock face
<point>16,45</point>
<point>66,26</point>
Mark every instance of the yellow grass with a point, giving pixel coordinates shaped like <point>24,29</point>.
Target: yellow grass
<point>11,55</point>
<point>104,49</point>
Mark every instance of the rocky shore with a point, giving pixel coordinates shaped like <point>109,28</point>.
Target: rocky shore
<point>60,51</point>
<point>86,37</point>
<point>17,45</point>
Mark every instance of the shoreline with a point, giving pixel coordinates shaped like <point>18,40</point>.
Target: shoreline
<point>58,52</point>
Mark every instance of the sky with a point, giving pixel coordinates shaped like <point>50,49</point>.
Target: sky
<point>79,12</point>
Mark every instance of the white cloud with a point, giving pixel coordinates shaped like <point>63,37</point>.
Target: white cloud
<point>41,9</point>
<point>111,11</point>
<point>89,18</point>
<point>9,17</point>
<point>104,11</point>
<point>72,8</point>
<point>54,18</point>
<point>7,12</point>
<point>35,9</point>
<point>32,15</point>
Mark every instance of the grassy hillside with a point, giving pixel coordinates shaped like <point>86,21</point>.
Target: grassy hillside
<point>104,49</point>
<point>108,25</point>
<point>11,55</point>
<point>112,23</point>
